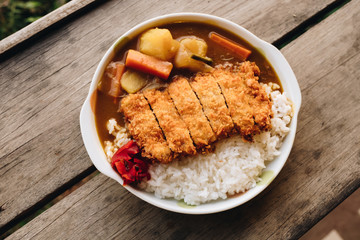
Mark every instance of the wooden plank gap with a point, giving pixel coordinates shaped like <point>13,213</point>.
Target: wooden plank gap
<point>309,23</point>
<point>47,202</point>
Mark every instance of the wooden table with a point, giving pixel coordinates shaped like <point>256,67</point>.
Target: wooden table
<point>45,72</point>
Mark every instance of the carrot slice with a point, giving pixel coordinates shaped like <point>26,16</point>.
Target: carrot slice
<point>115,82</point>
<point>230,45</point>
<point>148,64</point>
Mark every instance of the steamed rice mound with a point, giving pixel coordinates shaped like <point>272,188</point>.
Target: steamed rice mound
<point>234,166</point>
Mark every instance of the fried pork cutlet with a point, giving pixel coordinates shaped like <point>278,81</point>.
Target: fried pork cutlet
<point>213,103</point>
<point>249,106</point>
<point>144,128</point>
<point>176,133</point>
<point>210,107</point>
<point>191,112</point>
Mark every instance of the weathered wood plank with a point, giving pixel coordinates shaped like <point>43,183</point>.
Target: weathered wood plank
<point>43,23</point>
<point>323,168</point>
<point>43,87</point>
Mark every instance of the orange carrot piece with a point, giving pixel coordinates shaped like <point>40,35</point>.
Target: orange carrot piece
<point>148,64</point>
<point>230,45</point>
<point>115,85</point>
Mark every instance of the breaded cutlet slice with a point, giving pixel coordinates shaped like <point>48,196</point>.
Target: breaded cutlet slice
<point>176,133</point>
<point>234,89</point>
<point>191,112</point>
<point>213,103</point>
<point>144,128</point>
<point>260,102</point>
<point>249,105</point>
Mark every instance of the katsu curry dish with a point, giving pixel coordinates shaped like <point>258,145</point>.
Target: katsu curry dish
<point>191,112</point>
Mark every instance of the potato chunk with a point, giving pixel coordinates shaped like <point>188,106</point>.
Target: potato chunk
<point>195,45</point>
<point>188,47</point>
<point>133,81</point>
<point>158,43</point>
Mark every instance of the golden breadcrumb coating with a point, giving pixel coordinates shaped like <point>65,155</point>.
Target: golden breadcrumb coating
<point>174,128</point>
<point>249,105</point>
<point>144,128</point>
<point>213,103</point>
<point>191,112</point>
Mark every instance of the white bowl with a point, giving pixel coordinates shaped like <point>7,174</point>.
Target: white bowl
<point>273,55</point>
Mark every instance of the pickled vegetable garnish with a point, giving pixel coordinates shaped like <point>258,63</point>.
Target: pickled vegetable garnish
<point>128,162</point>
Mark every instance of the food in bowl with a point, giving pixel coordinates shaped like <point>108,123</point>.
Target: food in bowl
<point>190,111</point>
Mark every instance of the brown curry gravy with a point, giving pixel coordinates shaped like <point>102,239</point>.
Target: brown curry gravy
<point>106,107</point>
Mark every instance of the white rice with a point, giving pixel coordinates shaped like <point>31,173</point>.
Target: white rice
<point>234,167</point>
<point>121,138</point>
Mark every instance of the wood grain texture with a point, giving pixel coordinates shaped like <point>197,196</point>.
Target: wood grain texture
<point>39,25</point>
<point>44,86</point>
<point>323,168</point>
